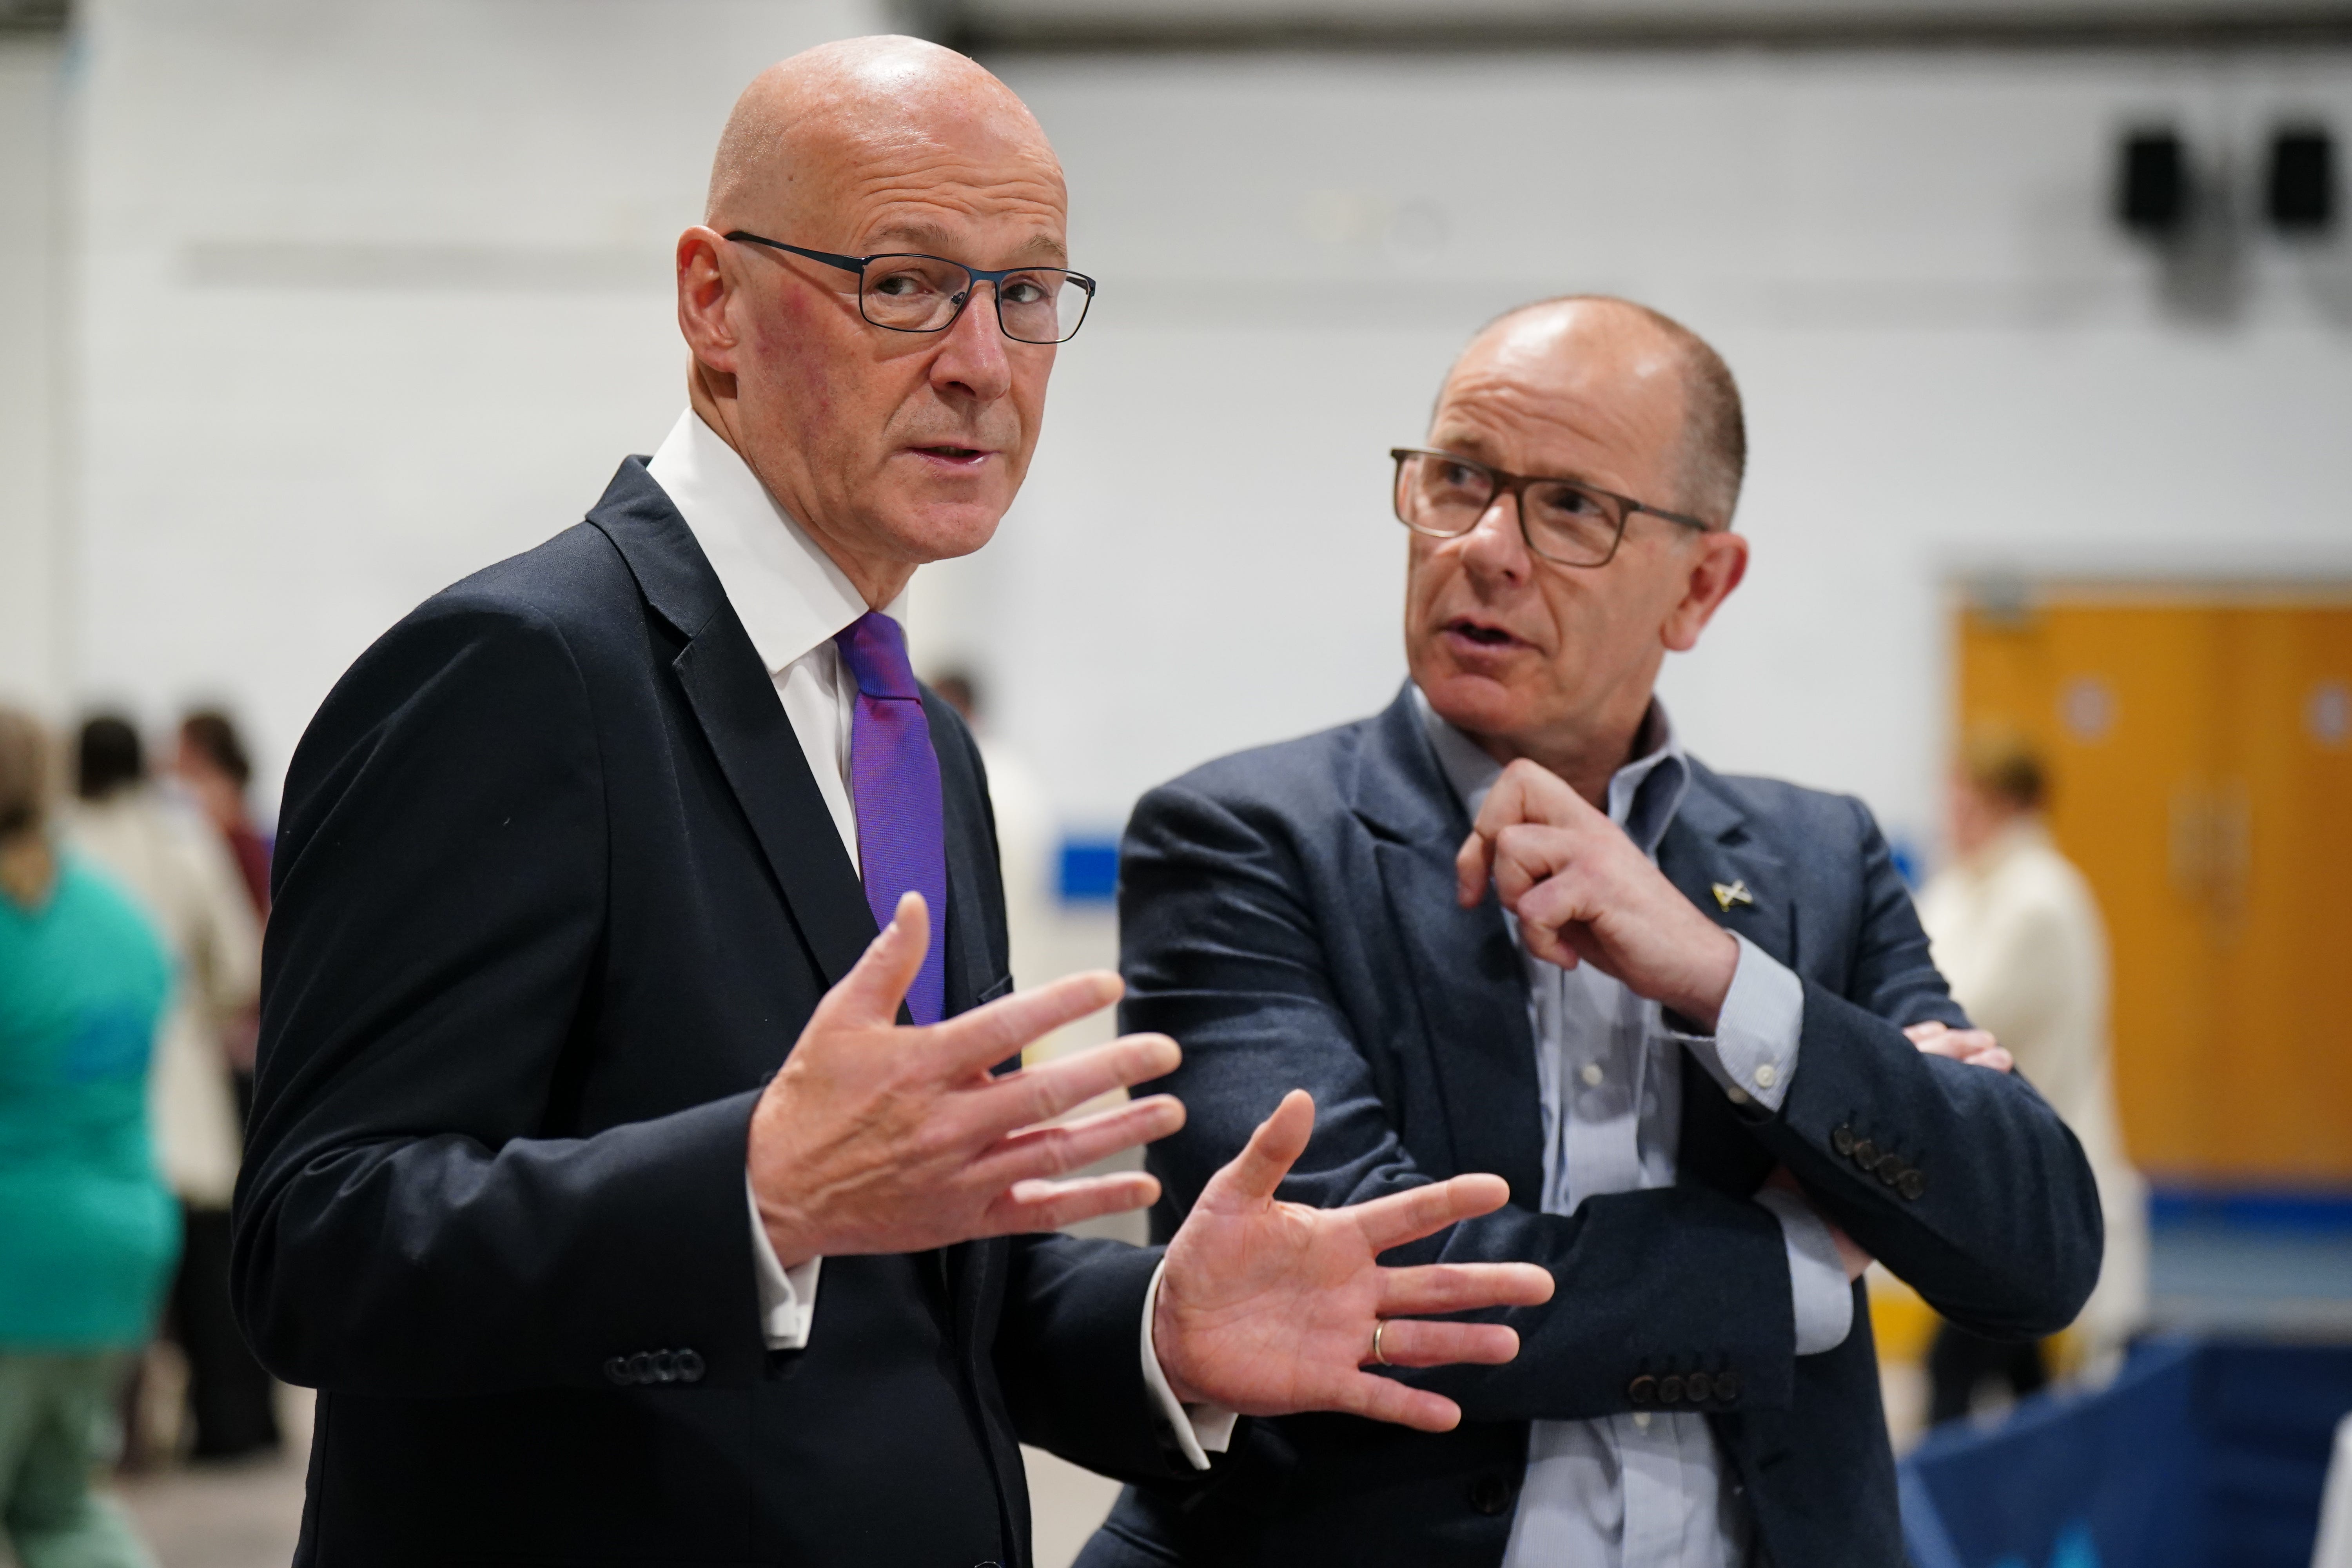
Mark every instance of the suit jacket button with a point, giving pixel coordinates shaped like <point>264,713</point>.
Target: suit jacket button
<point>1490,1494</point>
<point>1642,1390</point>
<point>1843,1141</point>
<point>1670,1390</point>
<point>1865,1154</point>
<point>1911,1184</point>
<point>641,1367</point>
<point>1890,1168</point>
<point>617,1370</point>
<point>665,1366</point>
<point>1727,1386</point>
<point>689,1367</point>
<point>1698,1387</point>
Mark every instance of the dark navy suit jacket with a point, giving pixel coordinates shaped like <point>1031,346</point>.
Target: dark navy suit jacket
<point>555,894</point>
<point>1288,914</point>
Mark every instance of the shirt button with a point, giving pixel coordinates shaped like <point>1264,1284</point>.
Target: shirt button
<point>1642,1420</point>
<point>1767,1075</point>
<point>1591,1074</point>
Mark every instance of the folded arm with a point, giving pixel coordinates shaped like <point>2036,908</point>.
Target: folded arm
<point>1223,950</point>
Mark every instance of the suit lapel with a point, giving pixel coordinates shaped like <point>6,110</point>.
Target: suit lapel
<point>1464,970</point>
<point>734,701</point>
<point>972,967</point>
<point>1708,847</point>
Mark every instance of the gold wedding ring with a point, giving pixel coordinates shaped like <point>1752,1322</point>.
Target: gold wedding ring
<point>1379,1327</point>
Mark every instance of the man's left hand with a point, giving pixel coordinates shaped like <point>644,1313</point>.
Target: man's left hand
<point>1583,892</point>
<point>1269,1307</point>
<point>1977,1047</point>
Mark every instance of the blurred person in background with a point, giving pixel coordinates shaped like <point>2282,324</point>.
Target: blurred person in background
<point>183,873</point>
<point>2016,931</point>
<point>88,1229</point>
<point>211,766</point>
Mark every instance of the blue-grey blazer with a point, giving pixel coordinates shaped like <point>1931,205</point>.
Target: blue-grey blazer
<point>1288,914</point>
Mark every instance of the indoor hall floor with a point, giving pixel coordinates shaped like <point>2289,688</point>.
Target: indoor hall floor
<point>2205,1279</point>
<point>246,1515</point>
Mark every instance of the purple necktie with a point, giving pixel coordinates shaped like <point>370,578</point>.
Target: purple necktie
<point>894,779</point>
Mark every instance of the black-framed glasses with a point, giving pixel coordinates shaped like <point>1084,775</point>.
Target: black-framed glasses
<point>1566,522</point>
<point>912,293</point>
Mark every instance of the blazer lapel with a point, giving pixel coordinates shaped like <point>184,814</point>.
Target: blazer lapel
<point>1463,968</point>
<point>734,701</point>
<point>1708,849</point>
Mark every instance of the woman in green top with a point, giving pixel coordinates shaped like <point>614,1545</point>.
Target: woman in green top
<point>88,1232</point>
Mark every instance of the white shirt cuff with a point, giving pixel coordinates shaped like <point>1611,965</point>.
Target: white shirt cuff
<point>1818,1287</point>
<point>1753,1051</point>
<point>1201,1429</point>
<point>787,1296</point>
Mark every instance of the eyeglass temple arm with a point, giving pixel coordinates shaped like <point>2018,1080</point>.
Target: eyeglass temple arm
<point>846,263</point>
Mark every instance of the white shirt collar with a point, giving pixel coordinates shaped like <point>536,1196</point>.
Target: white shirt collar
<point>787,591</point>
<point>1472,772</point>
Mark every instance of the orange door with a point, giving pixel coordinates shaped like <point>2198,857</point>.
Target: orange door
<point>2201,756</point>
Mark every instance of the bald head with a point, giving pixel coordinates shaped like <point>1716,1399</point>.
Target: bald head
<point>889,442</point>
<point>1625,349</point>
<point>836,113</point>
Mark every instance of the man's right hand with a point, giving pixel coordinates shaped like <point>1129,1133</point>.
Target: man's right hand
<point>878,1138</point>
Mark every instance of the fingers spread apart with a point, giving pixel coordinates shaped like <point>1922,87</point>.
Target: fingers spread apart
<point>1409,1341</point>
<point>1409,1215</point>
<point>1461,1287</point>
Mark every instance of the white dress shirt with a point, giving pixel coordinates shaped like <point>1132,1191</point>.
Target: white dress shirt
<point>792,598</point>
<point>1646,1489</point>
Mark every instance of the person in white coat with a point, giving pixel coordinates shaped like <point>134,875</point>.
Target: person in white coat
<point>2016,931</point>
<point>183,874</point>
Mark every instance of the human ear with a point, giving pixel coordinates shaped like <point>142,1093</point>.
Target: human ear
<point>1716,563</point>
<point>705,290</point>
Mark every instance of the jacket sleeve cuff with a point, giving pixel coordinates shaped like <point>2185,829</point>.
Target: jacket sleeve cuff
<point>1753,1052</point>
<point>787,1296</point>
<point>1819,1291</point>
<point>1200,1429</point>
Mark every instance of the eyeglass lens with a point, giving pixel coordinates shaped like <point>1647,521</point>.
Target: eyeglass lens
<point>922,294</point>
<point>1564,522</point>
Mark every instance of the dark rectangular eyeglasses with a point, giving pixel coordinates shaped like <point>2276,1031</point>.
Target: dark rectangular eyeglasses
<point>912,293</point>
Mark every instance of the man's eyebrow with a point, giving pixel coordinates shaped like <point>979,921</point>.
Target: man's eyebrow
<point>932,239</point>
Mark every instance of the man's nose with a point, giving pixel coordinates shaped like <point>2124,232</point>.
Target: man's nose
<point>973,359</point>
<point>1495,547</point>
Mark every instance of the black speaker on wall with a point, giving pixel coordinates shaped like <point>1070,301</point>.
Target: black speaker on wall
<point>2300,196</point>
<point>2152,184</point>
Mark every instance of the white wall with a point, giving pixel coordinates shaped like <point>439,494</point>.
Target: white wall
<point>375,294</point>
<point>1951,359</point>
<point>33,626</point>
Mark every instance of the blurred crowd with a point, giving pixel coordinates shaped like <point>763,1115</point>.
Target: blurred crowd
<point>130,913</point>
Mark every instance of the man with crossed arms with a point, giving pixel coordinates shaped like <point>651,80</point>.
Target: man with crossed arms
<point>1511,925</point>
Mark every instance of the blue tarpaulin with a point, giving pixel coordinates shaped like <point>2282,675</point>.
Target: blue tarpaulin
<point>2199,1455</point>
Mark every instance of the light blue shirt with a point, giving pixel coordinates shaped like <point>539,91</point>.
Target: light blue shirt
<point>1646,1489</point>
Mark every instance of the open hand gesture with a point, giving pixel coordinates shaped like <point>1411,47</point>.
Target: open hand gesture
<point>1270,1307</point>
<point>877,1137</point>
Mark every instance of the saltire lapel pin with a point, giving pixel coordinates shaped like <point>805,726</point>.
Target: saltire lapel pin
<point>1729,895</point>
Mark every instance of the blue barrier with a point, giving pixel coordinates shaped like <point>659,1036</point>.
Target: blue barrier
<point>1087,871</point>
<point>2198,1454</point>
